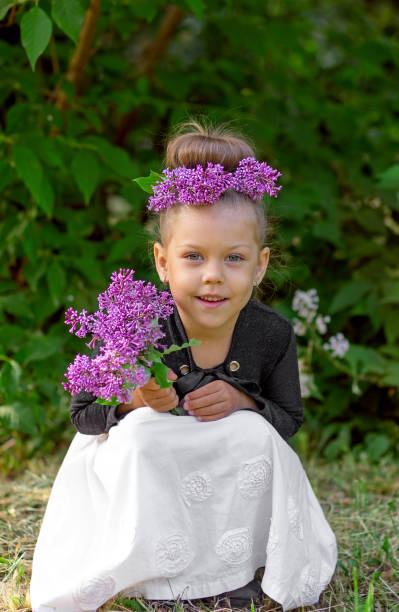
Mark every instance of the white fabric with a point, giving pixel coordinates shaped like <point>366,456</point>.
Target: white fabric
<point>167,506</point>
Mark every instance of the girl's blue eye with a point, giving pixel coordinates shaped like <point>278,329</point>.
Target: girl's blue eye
<point>193,256</point>
<point>234,257</point>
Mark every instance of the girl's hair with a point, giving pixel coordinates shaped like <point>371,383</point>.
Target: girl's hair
<point>194,143</point>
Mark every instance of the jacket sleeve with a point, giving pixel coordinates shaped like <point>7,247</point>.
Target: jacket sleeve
<point>89,417</point>
<point>280,401</point>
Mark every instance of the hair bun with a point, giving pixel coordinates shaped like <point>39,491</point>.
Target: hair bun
<point>194,143</point>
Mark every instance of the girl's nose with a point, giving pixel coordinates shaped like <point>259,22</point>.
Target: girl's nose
<point>212,273</point>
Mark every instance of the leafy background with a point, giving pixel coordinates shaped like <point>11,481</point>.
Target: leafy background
<point>88,92</point>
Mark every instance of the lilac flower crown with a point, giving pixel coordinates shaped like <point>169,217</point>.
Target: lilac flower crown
<point>205,186</point>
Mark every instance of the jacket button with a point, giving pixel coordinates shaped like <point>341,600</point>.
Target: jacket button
<point>184,369</point>
<point>234,366</point>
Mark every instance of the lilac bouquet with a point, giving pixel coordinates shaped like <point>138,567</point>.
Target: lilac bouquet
<point>128,332</point>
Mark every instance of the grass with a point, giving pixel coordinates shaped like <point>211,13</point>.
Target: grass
<point>360,500</point>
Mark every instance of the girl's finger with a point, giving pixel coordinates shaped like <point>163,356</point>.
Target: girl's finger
<point>161,395</point>
<point>166,406</point>
<point>151,384</point>
<point>212,387</point>
<point>210,410</point>
<point>202,402</point>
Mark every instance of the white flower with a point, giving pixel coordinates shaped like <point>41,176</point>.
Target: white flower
<point>321,323</point>
<point>299,327</point>
<point>338,345</point>
<point>306,383</point>
<point>306,303</point>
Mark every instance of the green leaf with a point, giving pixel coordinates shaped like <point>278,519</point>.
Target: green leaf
<point>391,375</point>
<point>104,402</point>
<point>69,16</point>
<point>10,377</point>
<point>5,5</point>
<point>19,416</point>
<point>348,294</point>
<point>377,445</point>
<point>391,324</point>
<point>173,347</point>
<point>389,179</point>
<point>391,292</point>
<point>86,172</point>
<point>153,356</point>
<point>39,347</point>
<point>46,195</point>
<point>45,148</point>
<point>197,6</point>
<point>363,359</point>
<point>115,157</point>
<point>30,171</point>
<point>160,372</point>
<point>36,30</point>
<point>56,281</point>
<point>6,174</point>
<point>146,182</point>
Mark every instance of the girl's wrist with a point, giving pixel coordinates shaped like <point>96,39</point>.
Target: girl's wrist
<point>135,403</point>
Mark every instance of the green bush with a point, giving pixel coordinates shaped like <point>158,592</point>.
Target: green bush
<point>312,83</point>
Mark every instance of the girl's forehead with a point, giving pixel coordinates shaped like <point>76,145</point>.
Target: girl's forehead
<point>206,222</point>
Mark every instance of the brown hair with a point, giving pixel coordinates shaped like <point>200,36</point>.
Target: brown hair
<point>194,143</point>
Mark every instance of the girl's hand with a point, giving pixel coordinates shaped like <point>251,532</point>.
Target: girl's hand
<point>216,400</point>
<point>151,394</point>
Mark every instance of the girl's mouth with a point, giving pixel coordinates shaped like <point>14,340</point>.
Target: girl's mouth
<point>211,302</point>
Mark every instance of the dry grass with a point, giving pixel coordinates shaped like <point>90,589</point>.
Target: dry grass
<point>360,500</point>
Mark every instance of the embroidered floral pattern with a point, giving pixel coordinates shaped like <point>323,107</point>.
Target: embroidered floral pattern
<point>255,476</point>
<point>173,554</point>
<point>311,588</point>
<point>197,487</point>
<point>325,575</point>
<point>93,592</point>
<point>273,540</point>
<point>294,519</point>
<point>235,546</point>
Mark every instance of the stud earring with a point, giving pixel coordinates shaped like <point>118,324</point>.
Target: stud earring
<point>255,283</point>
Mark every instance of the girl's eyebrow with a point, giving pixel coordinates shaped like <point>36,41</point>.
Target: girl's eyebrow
<point>196,246</point>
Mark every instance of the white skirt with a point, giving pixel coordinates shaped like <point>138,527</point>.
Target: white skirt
<point>170,507</point>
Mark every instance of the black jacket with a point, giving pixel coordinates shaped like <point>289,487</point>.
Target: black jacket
<point>262,362</point>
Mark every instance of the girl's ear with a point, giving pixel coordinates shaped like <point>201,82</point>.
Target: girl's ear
<point>262,264</point>
<point>160,261</point>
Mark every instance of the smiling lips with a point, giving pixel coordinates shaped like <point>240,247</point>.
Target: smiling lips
<point>211,301</point>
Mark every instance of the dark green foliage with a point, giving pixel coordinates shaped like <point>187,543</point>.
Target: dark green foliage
<point>313,83</point>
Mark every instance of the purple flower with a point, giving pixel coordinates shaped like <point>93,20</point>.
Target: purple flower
<point>190,186</point>
<point>205,186</point>
<point>126,324</point>
<point>254,178</point>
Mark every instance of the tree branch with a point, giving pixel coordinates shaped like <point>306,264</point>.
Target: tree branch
<point>170,22</point>
<point>150,56</point>
<point>81,56</point>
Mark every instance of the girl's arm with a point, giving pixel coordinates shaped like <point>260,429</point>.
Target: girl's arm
<point>91,418</point>
<point>281,402</point>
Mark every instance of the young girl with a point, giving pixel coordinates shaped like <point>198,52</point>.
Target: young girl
<point>188,506</point>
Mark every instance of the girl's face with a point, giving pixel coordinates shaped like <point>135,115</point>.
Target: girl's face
<point>211,261</point>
